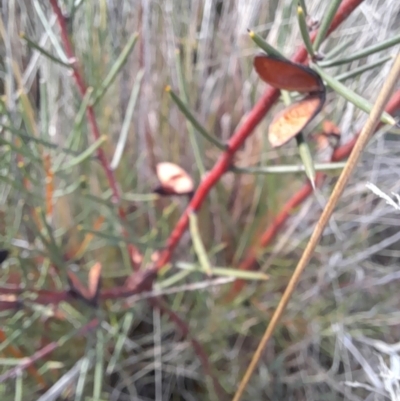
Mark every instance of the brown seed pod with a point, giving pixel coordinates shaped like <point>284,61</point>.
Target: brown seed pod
<point>284,74</point>
<point>292,120</point>
<point>173,180</point>
<point>330,128</point>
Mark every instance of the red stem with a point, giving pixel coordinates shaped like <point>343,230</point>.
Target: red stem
<point>139,280</point>
<point>80,83</point>
<point>269,234</point>
<point>258,112</point>
<point>43,352</point>
<point>82,89</point>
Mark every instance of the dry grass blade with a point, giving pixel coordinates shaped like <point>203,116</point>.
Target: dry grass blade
<point>366,133</point>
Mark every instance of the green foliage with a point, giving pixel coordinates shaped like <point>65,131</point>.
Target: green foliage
<point>57,208</point>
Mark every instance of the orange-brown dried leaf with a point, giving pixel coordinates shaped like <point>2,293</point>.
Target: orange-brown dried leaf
<point>87,240</point>
<point>94,280</point>
<point>91,292</point>
<point>76,285</point>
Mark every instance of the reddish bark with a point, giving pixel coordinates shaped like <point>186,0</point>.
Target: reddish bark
<point>269,234</point>
<point>258,112</point>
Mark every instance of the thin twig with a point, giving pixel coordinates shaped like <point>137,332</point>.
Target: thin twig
<point>299,197</point>
<point>80,83</point>
<point>366,133</point>
<point>253,119</point>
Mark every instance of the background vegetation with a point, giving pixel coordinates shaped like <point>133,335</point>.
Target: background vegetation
<point>339,337</point>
